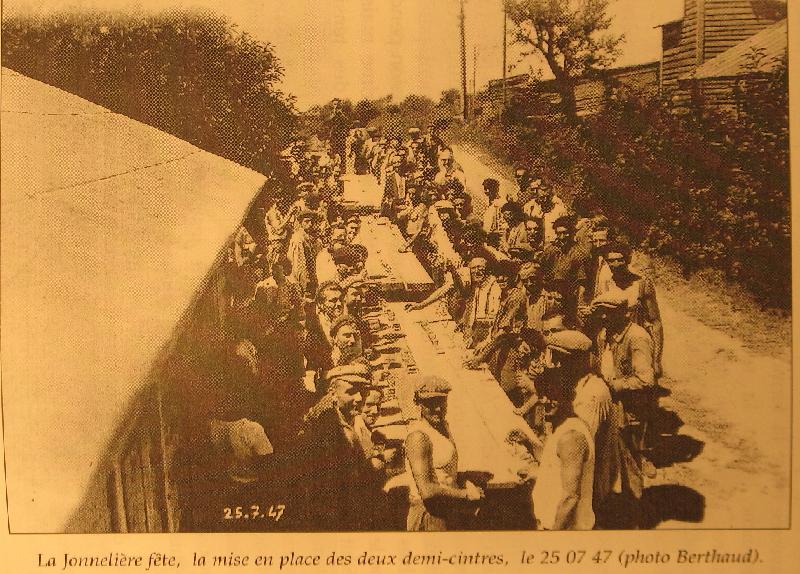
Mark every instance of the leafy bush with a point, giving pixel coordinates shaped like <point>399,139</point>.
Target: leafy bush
<point>192,75</point>
<point>708,188</point>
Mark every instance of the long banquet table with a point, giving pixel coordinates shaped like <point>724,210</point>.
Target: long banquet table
<point>361,193</point>
<point>388,268</point>
<point>480,415</point>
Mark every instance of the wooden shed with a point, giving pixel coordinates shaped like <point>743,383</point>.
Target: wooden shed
<point>720,80</point>
<point>591,91</point>
<point>707,29</point>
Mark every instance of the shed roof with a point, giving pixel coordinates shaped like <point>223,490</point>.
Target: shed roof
<point>770,44</point>
<point>109,228</point>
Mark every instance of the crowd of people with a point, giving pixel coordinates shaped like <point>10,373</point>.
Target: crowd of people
<point>547,301</point>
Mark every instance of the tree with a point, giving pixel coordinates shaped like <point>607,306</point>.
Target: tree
<point>571,35</point>
<point>192,75</point>
<point>450,101</point>
<point>365,111</point>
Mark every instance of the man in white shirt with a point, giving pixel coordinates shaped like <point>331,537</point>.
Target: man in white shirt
<point>562,496</point>
<point>483,302</point>
<point>548,207</point>
<point>493,223</point>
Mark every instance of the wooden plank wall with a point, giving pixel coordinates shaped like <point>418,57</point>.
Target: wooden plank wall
<point>680,59</point>
<point>725,23</point>
<point>729,22</point>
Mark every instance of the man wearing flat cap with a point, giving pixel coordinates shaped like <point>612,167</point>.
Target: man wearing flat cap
<point>337,479</point>
<point>625,349</point>
<point>626,358</point>
<point>432,461</point>
<point>563,494</point>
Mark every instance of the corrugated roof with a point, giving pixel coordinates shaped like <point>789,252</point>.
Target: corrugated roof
<point>109,228</point>
<point>772,43</point>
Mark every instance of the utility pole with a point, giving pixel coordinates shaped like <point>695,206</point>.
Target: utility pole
<point>505,53</point>
<point>474,76</point>
<point>464,95</point>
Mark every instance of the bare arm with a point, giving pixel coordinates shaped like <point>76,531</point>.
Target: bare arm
<point>442,291</point>
<point>279,224</point>
<point>419,452</point>
<point>572,452</point>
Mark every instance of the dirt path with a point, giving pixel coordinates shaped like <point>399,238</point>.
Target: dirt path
<point>727,463</point>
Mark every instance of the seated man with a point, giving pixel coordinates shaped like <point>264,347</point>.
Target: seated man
<point>347,345</point>
<point>509,319</point>
<point>483,303</point>
<point>354,301</point>
<point>530,277</point>
<point>348,261</point>
<point>353,227</point>
<point>515,235</point>
<point>513,373</point>
<point>325,266</point>
<point>320,317</point>
<point>364,421</point>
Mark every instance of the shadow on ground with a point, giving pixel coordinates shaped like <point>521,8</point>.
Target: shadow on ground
<point>671,502</point>
<point>669,446</point>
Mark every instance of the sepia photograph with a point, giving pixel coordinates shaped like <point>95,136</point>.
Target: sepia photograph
<point>323,266</point>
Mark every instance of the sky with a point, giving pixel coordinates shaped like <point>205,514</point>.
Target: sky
<point>372,48</point>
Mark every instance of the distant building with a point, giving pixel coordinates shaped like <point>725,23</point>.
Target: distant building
<point>591,91</point>
<point>713,51</point>
<point>710,46</point>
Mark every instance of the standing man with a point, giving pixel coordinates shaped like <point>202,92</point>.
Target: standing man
<point>338,129</point>
<point>640,294</point>
<point>562,496</point>
<point>493,224</point>
<point>335,477</point>
<point>564,262</point>
<point>548,207</point>
<point>522,177</point>
<point>302,253</point>
<point>626,357</point>
<point>432,461</point>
